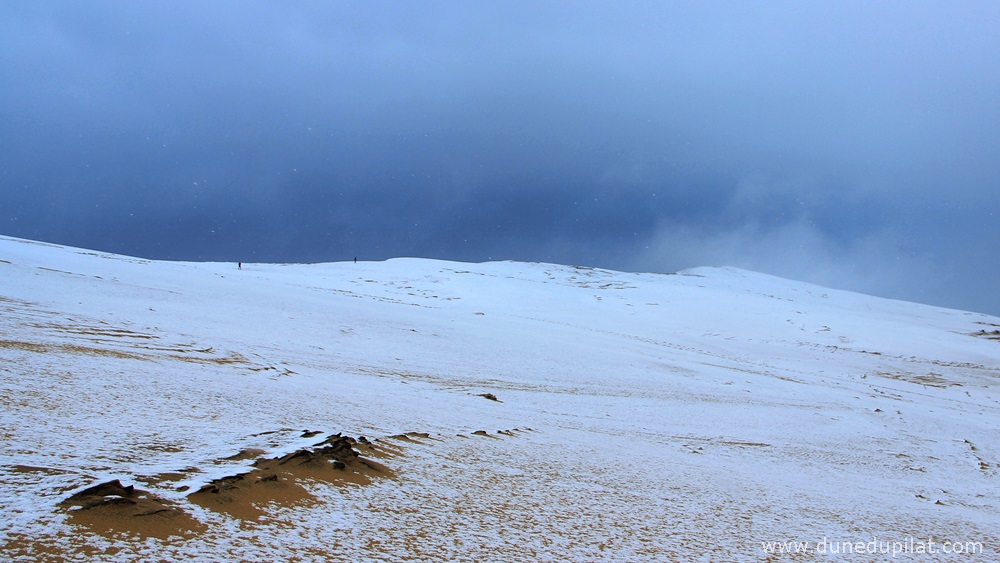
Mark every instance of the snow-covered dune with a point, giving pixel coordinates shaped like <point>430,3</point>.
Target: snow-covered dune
<point>697,415</point>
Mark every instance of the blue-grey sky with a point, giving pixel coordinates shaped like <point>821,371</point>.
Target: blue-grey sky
<point>852,144</point>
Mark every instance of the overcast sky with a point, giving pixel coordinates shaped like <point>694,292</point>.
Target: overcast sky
<point>851,144</point>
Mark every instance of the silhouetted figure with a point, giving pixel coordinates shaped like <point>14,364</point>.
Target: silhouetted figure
<point>239,265</point>
<point>355,259</point>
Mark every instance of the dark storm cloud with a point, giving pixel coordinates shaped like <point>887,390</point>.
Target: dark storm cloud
<point>847,143</point>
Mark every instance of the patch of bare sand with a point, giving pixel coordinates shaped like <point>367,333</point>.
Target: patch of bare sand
<point>124,515</point>
<point>111,507</point>
<point>279,480</point>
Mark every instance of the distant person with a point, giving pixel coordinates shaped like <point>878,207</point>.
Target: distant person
<point>355,259</point>
<point>239,265</point>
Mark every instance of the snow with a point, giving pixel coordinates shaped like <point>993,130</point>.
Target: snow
<point>652,416</point>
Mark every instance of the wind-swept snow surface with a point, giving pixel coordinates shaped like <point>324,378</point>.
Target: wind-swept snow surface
<point>714,414</point>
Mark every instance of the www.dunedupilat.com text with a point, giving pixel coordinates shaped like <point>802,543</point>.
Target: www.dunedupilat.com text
<point>874,546</point>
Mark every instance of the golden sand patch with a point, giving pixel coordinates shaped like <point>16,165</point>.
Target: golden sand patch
<point>111,507</point>
<point>279,480</point>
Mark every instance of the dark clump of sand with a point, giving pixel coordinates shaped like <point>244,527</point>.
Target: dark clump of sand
<point>112,507</point>
<point>278,480</point>
<point>120,512</point>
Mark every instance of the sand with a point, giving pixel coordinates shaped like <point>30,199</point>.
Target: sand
<point>282,480</point>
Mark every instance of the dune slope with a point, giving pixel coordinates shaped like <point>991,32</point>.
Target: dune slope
<point>430,410</point>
